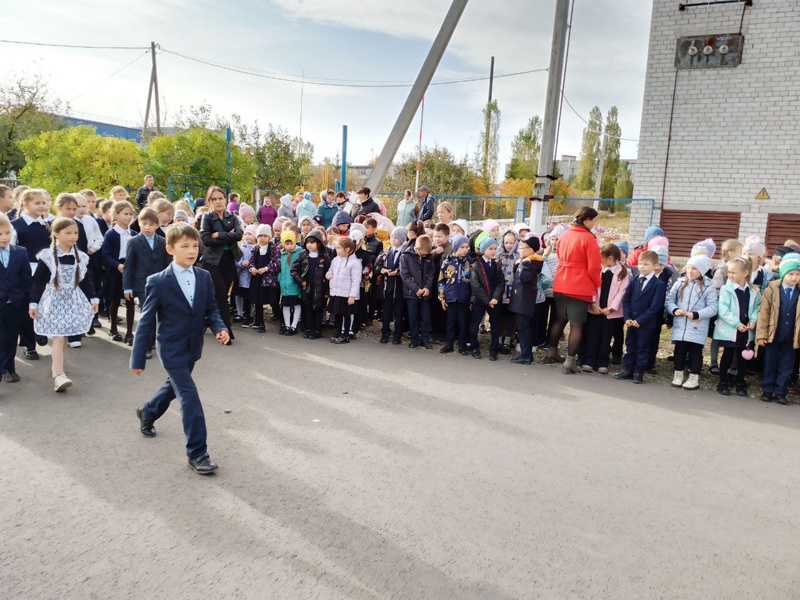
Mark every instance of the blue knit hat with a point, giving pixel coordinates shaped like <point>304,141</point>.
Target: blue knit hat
<point>400,233</point>
<point>486,243</point>
<point>342,217</point>
<point>651,232</point>
<point>457,240</point>
<point>623,246</point>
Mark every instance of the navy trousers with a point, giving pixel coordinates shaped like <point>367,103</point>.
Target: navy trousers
<point>180,385</point>
<point>478,311</point>
<point>778,365</point>
<point>525,339</point>
<point>11,318</point>
<point>457,320</point>
<point>419,318</point>
<point>392,312</point>
<point>638,345</point>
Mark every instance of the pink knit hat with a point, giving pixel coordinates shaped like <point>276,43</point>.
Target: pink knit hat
<point>656,241</point>
<point>754,245</point>
<point>245,210</point>
<point>490,224</point>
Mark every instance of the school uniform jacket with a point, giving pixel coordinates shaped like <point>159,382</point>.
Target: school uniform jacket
<point>523,290</point>
<point>34,237</point>
<point>416,273</point>
<point>643,306</point>
<point>110,250</point>
<point>616,293</point>
<point>177,325</point>
<point>15,279</point>
<point>141,262</point>
<point>485,286</point>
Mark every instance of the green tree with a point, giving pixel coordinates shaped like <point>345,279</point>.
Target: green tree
<point>525,149</point>
<point>590,151</point>
<point>488,151</point>
<point>281,162</point>
<point>76,157</point>
<point>26,110</point>
<point>439,170</point>
<point>200,153</point>
<point>623,188</point>
<point>613,131</point>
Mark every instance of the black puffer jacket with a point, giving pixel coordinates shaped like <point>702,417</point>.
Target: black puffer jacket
<point>230,232</point>
<point>319,287</point>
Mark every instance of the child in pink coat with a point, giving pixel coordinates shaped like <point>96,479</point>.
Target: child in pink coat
<point>344,279</point>
<point>605,319</point>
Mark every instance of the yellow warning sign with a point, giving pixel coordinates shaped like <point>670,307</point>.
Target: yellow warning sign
<point>762,195</point>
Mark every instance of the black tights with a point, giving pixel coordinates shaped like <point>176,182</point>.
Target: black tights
<point>113,310</point>
<point>575,330</point>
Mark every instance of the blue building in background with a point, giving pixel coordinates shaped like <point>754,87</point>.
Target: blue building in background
<point>117,131</point>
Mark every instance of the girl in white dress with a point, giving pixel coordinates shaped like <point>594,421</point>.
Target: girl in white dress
<point>63,301</point>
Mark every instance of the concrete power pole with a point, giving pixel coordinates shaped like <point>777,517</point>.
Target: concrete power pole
<point>599,181</point>
<point>409,109</point>
<point>488,129</point>
<point>541,190</point>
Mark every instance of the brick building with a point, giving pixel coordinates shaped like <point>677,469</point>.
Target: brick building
<point>735,123</point>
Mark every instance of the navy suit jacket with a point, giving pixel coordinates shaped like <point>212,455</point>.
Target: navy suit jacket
<point>645,306</point>
<point>16,279</point>
<point>141,262</point>
<point>178,327</point>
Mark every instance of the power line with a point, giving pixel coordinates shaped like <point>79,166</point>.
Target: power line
<point>110,76</point>
<point>74,46</point>
<point>592,130</point>
<point>333,83</point>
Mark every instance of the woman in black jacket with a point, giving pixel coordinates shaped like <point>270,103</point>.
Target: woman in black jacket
<point>220,232</point>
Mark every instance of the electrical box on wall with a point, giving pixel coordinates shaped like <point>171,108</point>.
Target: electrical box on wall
<point>718,51</point>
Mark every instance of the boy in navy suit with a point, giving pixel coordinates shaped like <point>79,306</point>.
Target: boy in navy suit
<point>643,302</point>
<point>178,300</point>
<point>15,283</point>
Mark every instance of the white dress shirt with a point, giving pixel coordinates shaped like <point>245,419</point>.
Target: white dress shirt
<point>93,236</point>
<point>125,236</point>
<point>186,280</point>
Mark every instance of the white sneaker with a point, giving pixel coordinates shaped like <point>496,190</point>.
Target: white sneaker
<point>75,344</point>
<point>692,383</point>
<point>62,382</point>
<point>677,379</point>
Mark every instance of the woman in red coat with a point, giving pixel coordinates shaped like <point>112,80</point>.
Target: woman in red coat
<point>577,278</point>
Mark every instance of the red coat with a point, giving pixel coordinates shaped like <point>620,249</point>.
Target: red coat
<point>579,264</point>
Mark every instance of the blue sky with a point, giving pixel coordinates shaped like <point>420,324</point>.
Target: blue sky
<point>342,40</point>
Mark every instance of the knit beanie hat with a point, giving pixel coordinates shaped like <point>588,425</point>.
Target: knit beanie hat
<point>358,227</point>
<point>357,236</point>
<point>707,246</point>
<point>286,200</point>
<point>520,227</point>
<point>253,229</point>
<point>342,218</point>
<point>656,241</point>
<point>490,224</point>
<point>700,262</point>
<point>300,222</point>
<point>623,246</point>
<point>400,233</point>
<point>652,231</point>
<point>487,243</point>
<point>245,210</point>
<point>279,221</point>
<point>559,230</point>
<point>790,262</point>
<point>533,242</point>
<point>318,219</point>
<point>754,245</point>
<point>457,240</point>
<point>288,234</point>
<point>264,230</point>
<point>464,224</point>
<point>781,251</point>
<point>181,214</point>
<point>663,254</point>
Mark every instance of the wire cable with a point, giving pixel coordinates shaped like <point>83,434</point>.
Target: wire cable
<point>592,130</point>
<point>110,76</point>
<point>74,46</point>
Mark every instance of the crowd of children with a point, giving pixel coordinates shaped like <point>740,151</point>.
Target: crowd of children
<point>438,282</point>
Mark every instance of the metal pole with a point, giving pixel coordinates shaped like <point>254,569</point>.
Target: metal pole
<point>599,182</point>
<point>155,87</point>
<point>415,95</point>
<point>147,110</point>
<point>541,190</point>
<point>419,150</point>
<point>228,142</point>
<point>488,124</point>
<point>343,184</point>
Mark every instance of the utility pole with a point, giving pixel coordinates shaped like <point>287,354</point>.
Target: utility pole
<point>419,149</point>
<point>152,87</point>
<point>541,190</point>
<point>488,128</point>
<point>412,103</point>
<point>599,181</point>
<point>343,175</point>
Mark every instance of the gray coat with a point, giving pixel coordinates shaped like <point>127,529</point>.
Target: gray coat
<point>702,301</point>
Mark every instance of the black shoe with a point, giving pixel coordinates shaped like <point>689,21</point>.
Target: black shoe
<point>624,375</point>
<point>262,329</point>
<point>146,427</point>
<point>282,330</point>
<point>767,398</point>
<point>351,335</point>
<point>492,356</point>
<point>96,323</point>
<point>237,319</point>
<point>724,390</point>
<point>476,354</point>
<point>31,355</point>
<point>203,465</point>
<point>116,337</point>
<point>505,349</point>
<point>463,352</point>
<point>129,339</point>
<point>638,378</point>
<point>741,391</point>
<point>341,340</point>
<point>446,349</point>
<point>397,341</point>
<point>91,331</point>
<point>427,346</point>
<point>782,400</point>
<point>148,355</point>
<point>714,371</point>
<point>291,331</point>
<point>306,335</point>
<point>521,361</point>
<point>314,335</point>
<point>384,339</point>
<point>413,345</point>
<point>9,377</point>
<point>41,340</point>
<point>246,323</point>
